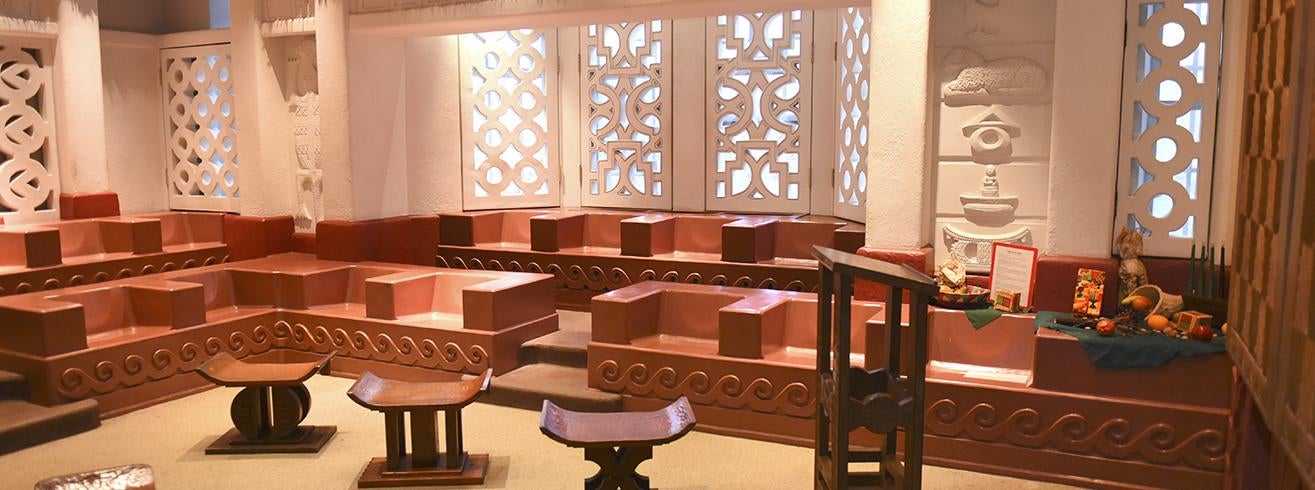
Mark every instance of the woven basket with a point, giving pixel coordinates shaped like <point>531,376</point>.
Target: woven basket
<point>1165,304</point>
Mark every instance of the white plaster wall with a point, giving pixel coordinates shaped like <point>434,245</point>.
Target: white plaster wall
<point>80,104</point>
<point>433,135</point>
<point>1228,142</point>
<point>335,150</point>
<point>134,120</point>
<point>264,127</point>
<point>376,76</point>
<point>899,181</point>
<point>1085,132</point>
<point>143,16</point>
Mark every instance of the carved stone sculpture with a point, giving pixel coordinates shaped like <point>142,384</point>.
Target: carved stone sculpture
<point>976,77</point>
<point>1132,271</point>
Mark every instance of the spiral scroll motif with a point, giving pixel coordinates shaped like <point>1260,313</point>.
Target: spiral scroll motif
<point>729,390</point>
<point>134,369</point>
<point>1114,438</point>
<point>404,350</point>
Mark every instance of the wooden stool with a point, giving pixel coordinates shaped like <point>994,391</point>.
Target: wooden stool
<point>619,441</point>
<point>425,465</point>
<point>130,477</point>
<point>272,403</point>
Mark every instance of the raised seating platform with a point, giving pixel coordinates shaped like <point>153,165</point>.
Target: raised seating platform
<point>1005,399</point>
<point>39,257</point>
<point>591,252</point>
<point>139,341</point>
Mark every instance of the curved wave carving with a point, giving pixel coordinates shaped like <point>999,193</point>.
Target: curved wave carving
<point>404,350</point>
<point>1115,438</point>
<point>135,369</point>
<point>730,390</point>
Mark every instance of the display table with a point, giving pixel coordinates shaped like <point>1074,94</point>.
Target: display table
<point>273,402</point>
<point>425,465</point>
<point>617,442</point>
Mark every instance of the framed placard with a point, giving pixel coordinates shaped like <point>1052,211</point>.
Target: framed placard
<point>1013,269</point>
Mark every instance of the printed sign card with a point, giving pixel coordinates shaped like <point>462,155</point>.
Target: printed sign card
<point>1013,269</point>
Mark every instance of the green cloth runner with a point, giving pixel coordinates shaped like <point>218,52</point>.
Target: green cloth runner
<point>1137,351</point>
<point>982,316</point>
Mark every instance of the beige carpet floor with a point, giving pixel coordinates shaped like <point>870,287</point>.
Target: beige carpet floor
<point>172,437</point>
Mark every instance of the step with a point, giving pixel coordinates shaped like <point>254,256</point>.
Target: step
<point>13,386</point>
<point>24,424</point>
<point>566,386</point>
<point>565,347</point>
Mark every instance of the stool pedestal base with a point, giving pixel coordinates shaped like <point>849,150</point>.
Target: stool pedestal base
<point>471,471</point>
<point>306,439</point>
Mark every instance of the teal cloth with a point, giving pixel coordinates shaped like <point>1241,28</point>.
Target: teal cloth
<point>982,316</point>
<point>1137,351</point>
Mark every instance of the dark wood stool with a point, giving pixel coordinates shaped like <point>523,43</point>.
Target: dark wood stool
<point>618,442</point>
<point>425,465</point>
<point>273,402</point>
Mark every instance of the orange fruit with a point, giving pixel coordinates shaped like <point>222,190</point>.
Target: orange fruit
<point>1140,303</point>
<point>1157,322</point>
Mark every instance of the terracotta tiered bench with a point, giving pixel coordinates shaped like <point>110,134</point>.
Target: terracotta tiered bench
<point>40,257</point>
<point>1006,398</point>
<point>592,252</point>
<point>273,402</point>
<point>618,442</point>
<point>139,341</point>
<point>425,465</point>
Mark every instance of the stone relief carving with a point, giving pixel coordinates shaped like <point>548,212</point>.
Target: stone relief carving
<point>304,105</point>
<point>974,249</point>
<point>286,9</point>
<point>977,80</point>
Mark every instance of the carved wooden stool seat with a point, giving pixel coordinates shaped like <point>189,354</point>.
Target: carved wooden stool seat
<point>618,442</point>
<point>425,465</point>
<point>130,477</point>
<point>267,412</point>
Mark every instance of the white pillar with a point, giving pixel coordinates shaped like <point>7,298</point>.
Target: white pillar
<point>376,75</point>
<point>899,171</point>
<point>335,131</point>
<point>433,135</point>
<point>1084,134</point>
<point>80,111</point>
<point>264,133</point>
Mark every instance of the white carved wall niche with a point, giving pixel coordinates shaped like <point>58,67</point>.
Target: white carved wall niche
<point>994,62</point>
<point>29,173</point>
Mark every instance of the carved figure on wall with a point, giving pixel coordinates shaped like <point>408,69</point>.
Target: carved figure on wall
<point>975,77</point>
<point>1132,271</point>
<point>304,104</point>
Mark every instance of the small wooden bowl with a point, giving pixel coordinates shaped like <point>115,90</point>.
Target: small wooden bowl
<point>974,298</point>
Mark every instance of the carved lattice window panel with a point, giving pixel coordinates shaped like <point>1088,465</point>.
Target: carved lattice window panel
<point>201,128</point>
<point>510,120</point>
<point>851,179</point>
<point>29,179</point>
<point>1171,88</point>
<point>627,110</point>
<point>759,89</point>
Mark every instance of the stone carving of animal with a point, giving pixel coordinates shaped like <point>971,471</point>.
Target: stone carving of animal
<point>975,75</point>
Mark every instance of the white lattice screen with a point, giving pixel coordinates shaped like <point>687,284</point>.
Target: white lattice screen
<point>201,128</point>
<point>759,86</point>
<point>1170,91</point>
<point>510,127</point>
<point>29,181</point>
<point>851,179</point>
<point>627,110</point>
